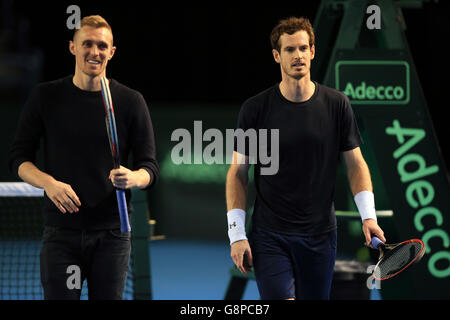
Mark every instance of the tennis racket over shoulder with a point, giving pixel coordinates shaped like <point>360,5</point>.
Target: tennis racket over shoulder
<point>395,258</point>
<point>114,145</point>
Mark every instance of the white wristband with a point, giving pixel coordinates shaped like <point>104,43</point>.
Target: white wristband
<point>236,225</point>
<point>365,201</point>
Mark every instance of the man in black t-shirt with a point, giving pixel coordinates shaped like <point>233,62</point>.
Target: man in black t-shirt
<point>292,244</point>
<point>82,237</point>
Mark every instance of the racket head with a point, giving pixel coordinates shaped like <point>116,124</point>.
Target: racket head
<point>110,121</point>
<point>395,258</point>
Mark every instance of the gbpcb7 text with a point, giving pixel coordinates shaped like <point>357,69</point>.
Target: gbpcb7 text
<point>246,309</point>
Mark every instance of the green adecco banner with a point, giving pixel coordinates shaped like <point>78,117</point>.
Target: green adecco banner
<point>373,87</point>
<point>392,113</point>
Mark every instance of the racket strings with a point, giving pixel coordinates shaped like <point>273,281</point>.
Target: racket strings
<point>397,259</point>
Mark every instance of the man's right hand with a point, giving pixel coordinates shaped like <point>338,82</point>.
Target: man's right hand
<point>63,196</point>
<point>238,250</point>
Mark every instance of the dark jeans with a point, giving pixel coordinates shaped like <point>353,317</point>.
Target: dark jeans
<point>101,256</point>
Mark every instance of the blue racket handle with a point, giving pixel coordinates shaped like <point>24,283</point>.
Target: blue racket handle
<point>376,242</point>
<point>123,211</point>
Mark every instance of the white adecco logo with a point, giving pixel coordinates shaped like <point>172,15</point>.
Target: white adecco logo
<point>374,81</point>
<point>365,92</point>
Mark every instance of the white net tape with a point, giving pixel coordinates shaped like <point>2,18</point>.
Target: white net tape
<point>19,189</point>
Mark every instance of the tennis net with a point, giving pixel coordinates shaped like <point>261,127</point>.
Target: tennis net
<point>21,227</point>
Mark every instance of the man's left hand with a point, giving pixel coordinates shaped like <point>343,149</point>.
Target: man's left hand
<point>370,228</point>
<point>124,178</point>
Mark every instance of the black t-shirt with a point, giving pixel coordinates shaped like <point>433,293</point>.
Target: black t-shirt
<point>298,199</point>
<point>71,122</point>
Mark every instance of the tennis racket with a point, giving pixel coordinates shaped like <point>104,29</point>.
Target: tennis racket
<point>395,258</point>
<point>114,145</point>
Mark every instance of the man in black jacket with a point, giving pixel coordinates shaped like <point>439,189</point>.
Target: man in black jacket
<point>81,217</point>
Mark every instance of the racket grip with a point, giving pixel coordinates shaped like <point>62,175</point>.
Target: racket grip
<point>123,211</point>
<point>376,242</point>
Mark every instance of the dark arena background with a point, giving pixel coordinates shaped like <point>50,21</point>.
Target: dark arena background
<point>195,62</point>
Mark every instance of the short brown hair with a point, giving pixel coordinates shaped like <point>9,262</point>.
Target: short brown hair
<point>94,21</point>
<point>290,26</point>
